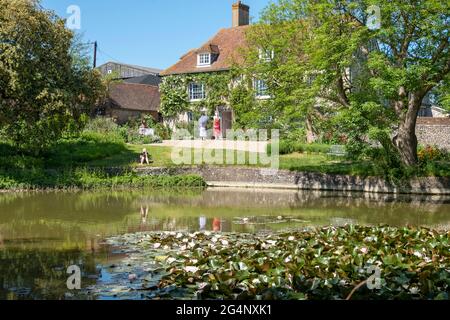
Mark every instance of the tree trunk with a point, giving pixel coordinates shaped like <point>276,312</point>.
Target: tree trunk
<point>406,140</point>
<point>310,135</point>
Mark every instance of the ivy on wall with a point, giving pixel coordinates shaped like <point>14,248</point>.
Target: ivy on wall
<point>222,89</point>
<point>175,96</point>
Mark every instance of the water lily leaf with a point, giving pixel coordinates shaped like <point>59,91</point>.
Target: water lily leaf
<point>161,258</point>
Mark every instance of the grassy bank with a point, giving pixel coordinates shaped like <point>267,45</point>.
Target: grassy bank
<point>310,264</point>
<point>80,178</point>
<point>81,162</point>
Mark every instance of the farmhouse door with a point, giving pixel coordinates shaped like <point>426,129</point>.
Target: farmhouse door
<point>227,122</point>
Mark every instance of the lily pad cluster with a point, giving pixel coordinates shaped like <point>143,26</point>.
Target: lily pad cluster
<point>326,263</point>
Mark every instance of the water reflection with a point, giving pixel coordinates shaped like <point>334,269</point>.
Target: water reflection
<point>42,233</point>
<point>46,219</point>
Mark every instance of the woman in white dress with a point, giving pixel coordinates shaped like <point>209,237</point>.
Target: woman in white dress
<point>202,122</point>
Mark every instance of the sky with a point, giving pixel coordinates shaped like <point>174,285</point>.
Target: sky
<point>150,33</point>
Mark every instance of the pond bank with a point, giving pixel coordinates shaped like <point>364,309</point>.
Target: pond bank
<point>284,179</point>
<point>91,179</point>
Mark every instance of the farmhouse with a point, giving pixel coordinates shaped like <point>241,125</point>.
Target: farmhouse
<point>216,56</point>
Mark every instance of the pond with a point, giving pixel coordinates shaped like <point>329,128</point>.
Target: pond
<point>41,234</point>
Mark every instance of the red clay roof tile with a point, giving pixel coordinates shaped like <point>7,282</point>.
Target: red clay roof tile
<point>227,41</point>
<point>131,96</point>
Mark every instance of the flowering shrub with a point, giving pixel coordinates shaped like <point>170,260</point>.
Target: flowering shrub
<point>431,153</point>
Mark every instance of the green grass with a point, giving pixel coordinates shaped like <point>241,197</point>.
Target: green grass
<point>81,163</point>
<point>161,157</point>
<point>326,164</point>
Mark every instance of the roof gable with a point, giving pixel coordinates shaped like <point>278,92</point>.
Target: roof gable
<point>226,45</point>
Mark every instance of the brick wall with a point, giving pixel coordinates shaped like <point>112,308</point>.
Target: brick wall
<point>434,131</point>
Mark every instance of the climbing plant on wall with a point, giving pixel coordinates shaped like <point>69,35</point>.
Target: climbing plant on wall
<point>222,89</point>
<point>175,96</point>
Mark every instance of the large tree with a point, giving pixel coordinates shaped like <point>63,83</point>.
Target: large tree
<point>379,64</point>
<point>44,87</point>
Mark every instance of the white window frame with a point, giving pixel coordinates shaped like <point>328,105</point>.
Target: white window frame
<point>204,59</point>
<point>196,91</point>
<point>266,55</point>
<point>261,89</point>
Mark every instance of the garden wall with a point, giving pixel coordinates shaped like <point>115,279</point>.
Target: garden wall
<point>434,131</point>
<point>283,179</point>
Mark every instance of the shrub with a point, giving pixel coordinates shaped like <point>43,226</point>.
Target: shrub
<point>288,147</point>
<point>134,137</point>
<point>162,131</point>
<point>102,125</point>
<point>431,153</point>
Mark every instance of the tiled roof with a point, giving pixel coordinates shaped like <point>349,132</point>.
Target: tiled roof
<point>150,79</point>
<point>227,41</point>
<point>131,96</point>
<point>209,48</point>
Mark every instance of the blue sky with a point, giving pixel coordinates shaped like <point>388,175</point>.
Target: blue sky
<point>152,33</point>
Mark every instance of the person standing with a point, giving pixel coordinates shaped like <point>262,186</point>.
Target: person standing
<point>202,122</point>
<point>217,126</point>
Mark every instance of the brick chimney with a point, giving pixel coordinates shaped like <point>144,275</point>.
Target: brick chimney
<point>241,14</point>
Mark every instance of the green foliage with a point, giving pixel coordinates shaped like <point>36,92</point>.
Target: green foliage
<point>134,137</point>
<point>175,98</point>
<point>128,133</point>
<point>429,154</point>
<point>293,97</point>
<point>391,68</point>
<point>88,147</point>
<point>289,146</point>
<point>84,178</point>
<point>104,126</point>
<point>365,128</point>
<point>313,264</point>
<point>222,89</point>
<point>44,88</point>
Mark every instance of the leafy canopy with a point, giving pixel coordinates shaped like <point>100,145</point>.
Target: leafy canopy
<point>45,88</point>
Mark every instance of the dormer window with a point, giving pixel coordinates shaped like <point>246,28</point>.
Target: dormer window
<point>203,59</point>
<point>266,55</point>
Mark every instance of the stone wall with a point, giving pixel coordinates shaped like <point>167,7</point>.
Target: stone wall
<point>283,179</point>
<point>434,131</point>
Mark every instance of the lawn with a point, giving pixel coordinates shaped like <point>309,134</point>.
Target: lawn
<point>306,162</point>
<point>102,151</point>
<point>302,162</point>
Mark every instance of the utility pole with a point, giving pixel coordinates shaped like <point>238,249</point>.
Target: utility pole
<point>95,54</point>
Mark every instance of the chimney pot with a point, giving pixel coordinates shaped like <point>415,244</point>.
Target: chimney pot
<point>241,14</point>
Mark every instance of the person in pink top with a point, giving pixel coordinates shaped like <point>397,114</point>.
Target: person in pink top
<point>217,126</point>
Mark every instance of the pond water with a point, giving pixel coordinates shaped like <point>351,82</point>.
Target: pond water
<point>41,234</point>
